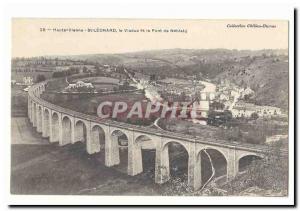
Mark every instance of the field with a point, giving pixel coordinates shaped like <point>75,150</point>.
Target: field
<point>101,83</point>
<point>89,105</point>
<point>96,80</point>
<point>20,75</point>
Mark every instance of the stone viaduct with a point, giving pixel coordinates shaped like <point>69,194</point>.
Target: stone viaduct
<point>66,126</point>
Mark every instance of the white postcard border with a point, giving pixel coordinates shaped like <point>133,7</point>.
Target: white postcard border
<point>177,11</point>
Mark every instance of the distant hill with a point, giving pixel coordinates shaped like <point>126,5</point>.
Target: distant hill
<point>265,71</point>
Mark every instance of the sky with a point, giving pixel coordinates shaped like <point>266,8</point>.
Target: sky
<point>29,39</point>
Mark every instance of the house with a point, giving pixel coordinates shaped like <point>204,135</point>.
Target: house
<point>247,91</point>
<point>234,93</point>
<point>28,80</point>
<point>80,84</point>
<point>268,111</point>
<point>212,96</point>
<point>89,85</point>
<point>72,86</point>
<point>246,109</point>
<point>203,96</point>
<point>242,112</point>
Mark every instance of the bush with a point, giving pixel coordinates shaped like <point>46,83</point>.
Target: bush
<point>40,78</point>
<point>219,118</point>
<point>270,173</point>
<point>58,74</point>
<point>254,116</point>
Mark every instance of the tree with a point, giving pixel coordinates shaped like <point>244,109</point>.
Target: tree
<point>73,70</point>
<point>152,77</point>
<point>84,69</point>
<point>182,96</point>
<point>254,116</point>
<point>125,86</point>
<point>40,78</point>
<point>248,97</point>
<point>218,118</point>
<point>57,74</point>
<point>97,69</point>
<point>217,106</point>
<point>269,173</point>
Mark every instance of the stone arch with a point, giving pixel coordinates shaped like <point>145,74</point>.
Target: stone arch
<point>165,145</point>
<point>213,161</point>
<point>245,160</point>
<point>80,131</point>
<point>147,153</point>
<point>114,131</point>
<point>55,127</point>
<point>97,139</point>
<point>66,130</point>
<point>178,159</point>
<point>142,139</point>
<point>46,123</point>
<point>119,149</point>
<point>120,136</point>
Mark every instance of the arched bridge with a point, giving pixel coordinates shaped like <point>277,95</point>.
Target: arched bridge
<point>66,126</point>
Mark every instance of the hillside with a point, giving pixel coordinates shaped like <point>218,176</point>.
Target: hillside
<point>265,71</point>
<point>268,77</point>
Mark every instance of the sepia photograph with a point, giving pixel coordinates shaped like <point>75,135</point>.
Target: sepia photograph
<point>150,107</point>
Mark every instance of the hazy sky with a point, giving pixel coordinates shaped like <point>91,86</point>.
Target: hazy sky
<point>28,39</point>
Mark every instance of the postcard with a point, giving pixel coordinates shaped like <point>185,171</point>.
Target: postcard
<point>184,108</point>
